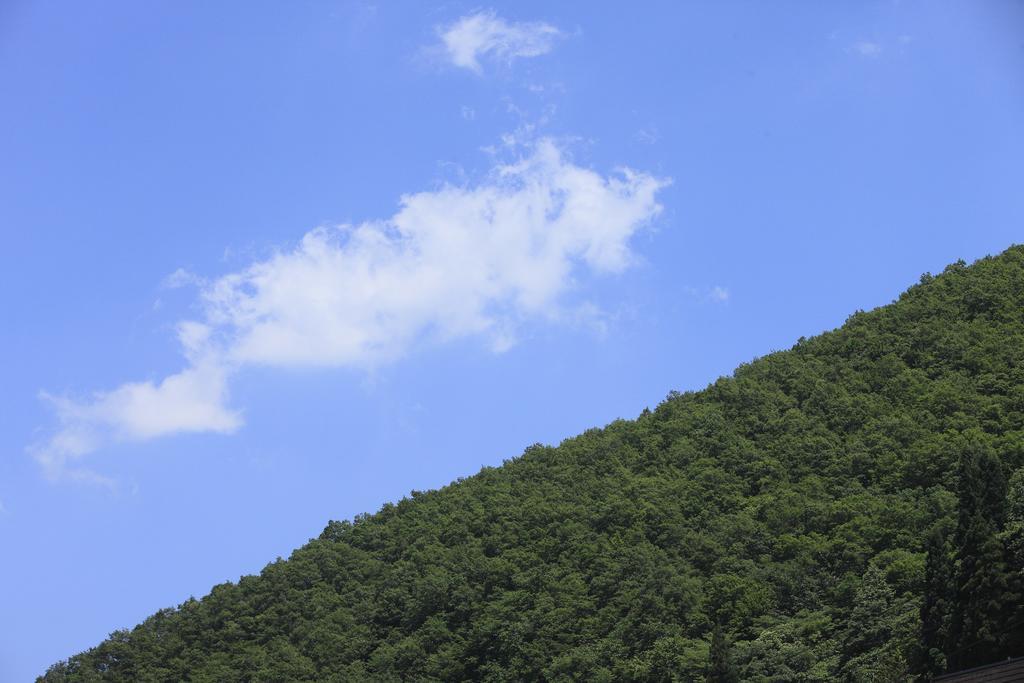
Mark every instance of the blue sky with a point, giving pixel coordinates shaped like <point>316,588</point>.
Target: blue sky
<point>266,266</point>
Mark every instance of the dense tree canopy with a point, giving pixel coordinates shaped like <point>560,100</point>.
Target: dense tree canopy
<point>813,509</point>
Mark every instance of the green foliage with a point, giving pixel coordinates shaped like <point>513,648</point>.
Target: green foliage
<point>791,503</point>
<point>982,584</point>
<point>1013,535</point>
<point>720,665</point>
<point>937,607</point>
<point>879,631</point>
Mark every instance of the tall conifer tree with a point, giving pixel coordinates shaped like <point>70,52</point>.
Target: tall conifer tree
<point>935,609</point>
<point>720,665</point>
<point>980,615</point>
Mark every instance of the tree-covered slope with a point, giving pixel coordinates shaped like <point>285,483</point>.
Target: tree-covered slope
<point>782,512</point>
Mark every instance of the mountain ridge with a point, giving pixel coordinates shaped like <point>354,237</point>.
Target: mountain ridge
<point>779,503</point>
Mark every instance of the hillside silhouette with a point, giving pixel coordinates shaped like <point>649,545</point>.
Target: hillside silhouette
<point>848,509</point>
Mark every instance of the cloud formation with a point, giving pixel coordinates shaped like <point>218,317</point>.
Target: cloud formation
<point>455,262</point>
<point>719,294</point>
<point>485,34</point>
<point>192,400</point>
<point>867,48</point>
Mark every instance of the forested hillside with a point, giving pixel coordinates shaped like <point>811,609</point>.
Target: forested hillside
<point>849,509</point>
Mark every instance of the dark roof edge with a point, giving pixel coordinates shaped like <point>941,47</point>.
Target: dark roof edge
<point>1002,662</point>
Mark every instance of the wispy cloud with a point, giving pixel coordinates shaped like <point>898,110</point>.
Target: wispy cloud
<point>454,262</point>
<point>718,294</point>
<point>867,48</point>
<point>647,136</point>
<point>193,400</point>
<point>715,295</point>
<point>486,35</point>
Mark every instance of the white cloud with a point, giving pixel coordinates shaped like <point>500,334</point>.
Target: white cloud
<point>192,400</point>
<point>866,48</point>
<point>715,295</point>
<point>181,278</point>
<point>647,136</point>
<point>485,34</point>
<point>454,262</point>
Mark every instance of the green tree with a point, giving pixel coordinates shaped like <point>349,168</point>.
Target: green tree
<point>980,614</point>
<point>1013,532</point>
<point>980,609</point>
<point>721,668</point>
<point>872,647</point>
<point>936,606</point>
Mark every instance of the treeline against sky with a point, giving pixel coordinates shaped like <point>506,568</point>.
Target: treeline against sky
<point>850,509</point>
